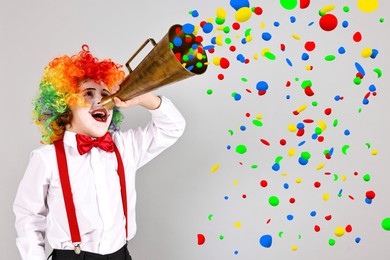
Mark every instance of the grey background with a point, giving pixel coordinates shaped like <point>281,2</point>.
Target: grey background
<point>177,192</point>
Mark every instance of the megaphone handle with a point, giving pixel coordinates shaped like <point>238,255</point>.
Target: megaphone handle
<point>138,51</point>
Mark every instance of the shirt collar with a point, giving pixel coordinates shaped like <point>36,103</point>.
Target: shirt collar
<point>70,139</point>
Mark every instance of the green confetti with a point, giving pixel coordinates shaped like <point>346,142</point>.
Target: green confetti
<point>241,149</point>
<point>330,57</point>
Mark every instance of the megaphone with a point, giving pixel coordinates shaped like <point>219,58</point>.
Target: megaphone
<point>178,55</point>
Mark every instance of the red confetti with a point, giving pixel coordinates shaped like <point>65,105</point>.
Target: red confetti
<point>282,47</point>
<point>320,138</point>
<point>359,75</point>
<point>232,48</point>
<point>317,184</point>
<point>283,142</point>
<point>304,4</point>
<point>201,239</point>
<point>224,63</point>
<point>265,142</point>
<point>258,10</point>
<point>370,194</point>
<point>221,76</point>
<point>288,83</point>
<point>317,228</point>
<point>178,56</point>
<point>329,217</point>
<point>309,92</point>
<point>292,200</point>
<point>328,111</point>
<point>236,26</point>
<point>244,196</point>
<point>308,121</point>
<point>300,132</point>
<point>310,46</point>
<point>328,22</point>
<point>199,38</point>
<point>348,228</point>
<point>357,37</point>
<point>263,183</point>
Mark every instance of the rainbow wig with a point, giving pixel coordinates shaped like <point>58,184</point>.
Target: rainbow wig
<point>60,86</point>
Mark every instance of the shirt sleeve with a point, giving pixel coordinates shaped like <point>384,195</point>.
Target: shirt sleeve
<point>30,208</point>
<point>165,128</point>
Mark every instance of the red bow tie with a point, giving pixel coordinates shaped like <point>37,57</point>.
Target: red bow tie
<point>85,143</point>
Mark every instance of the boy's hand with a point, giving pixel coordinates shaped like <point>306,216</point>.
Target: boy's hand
<point>148,100</point>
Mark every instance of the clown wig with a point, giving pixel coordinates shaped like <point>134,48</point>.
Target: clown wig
<point>60,86</point>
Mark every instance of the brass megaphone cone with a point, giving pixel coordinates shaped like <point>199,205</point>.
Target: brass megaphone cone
<point>176,57</point>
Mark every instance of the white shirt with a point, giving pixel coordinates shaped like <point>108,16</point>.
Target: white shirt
<point>39,205</point>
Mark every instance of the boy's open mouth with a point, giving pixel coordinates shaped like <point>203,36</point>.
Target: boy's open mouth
<point>100,115</point>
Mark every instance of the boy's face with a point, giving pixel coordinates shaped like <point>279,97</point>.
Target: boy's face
<point>92,120</point>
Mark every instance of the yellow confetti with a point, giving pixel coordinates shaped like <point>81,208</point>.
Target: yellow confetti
<point>339,231</point>
<point>237,224</point>
<point>374,152</point>
<point>343,177</point>
<point>243,14</point>
<point>291,152</point>
<point>327,8</point>
<point>215,167</point>
<point>235,182</point>
<point>259,116</point>
<point>368,5</point>
<point>366,52</point>
<point>298,180</point>
<point>296,37</point>
<point>264,51</point>
<point>325,197</point>
<point>322,125</point>
<point>216,61</point>
<point>320,166</point>
<point>302,108</point>
<point>221,13</point>
<point>256,56</point>
<point>294,248</point>
<point>219,40</point>
<point>292,128</point>
<point>262,25</point>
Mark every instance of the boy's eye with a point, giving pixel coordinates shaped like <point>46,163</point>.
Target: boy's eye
<point>89,93</point>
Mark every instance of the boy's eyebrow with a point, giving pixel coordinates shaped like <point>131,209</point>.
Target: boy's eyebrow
<point>87,89</point>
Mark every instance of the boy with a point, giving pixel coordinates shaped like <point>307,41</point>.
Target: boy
<point>98,165</point>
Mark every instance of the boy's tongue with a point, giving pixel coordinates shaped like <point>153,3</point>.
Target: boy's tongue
<point>99,114</point>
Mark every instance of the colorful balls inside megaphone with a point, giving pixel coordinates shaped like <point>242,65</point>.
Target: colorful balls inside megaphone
<point>188,48</point>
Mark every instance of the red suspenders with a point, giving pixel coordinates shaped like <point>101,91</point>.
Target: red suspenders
<point>67,193</point>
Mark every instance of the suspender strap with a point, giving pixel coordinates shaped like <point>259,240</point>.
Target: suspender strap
<point>122,182</point>
<point>67,192</point>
